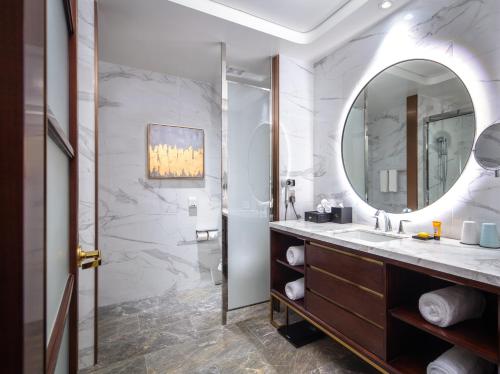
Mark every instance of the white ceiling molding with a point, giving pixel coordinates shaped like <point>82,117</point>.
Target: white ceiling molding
<point>429,80</point>
<point>248,20</point>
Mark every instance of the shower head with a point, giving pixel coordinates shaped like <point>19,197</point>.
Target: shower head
<point>442,145</point>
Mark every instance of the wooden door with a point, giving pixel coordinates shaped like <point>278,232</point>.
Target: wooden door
<point>61,187</point>
<point>22,186</point>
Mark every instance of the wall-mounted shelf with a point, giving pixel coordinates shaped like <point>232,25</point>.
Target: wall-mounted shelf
<point>299,269</point>
<point>474,335</point>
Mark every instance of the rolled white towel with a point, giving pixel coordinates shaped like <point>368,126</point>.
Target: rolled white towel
<point>459,361</point>
<point>451,305</point>
<point>295,255</point>
<point>295,290</point>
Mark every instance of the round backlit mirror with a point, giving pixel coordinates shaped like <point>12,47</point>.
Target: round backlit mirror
<point>487,150</point>
<point>408,136</point>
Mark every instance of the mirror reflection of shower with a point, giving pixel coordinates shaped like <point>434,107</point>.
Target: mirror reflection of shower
<point>445,150</point>
<point>442,166</point>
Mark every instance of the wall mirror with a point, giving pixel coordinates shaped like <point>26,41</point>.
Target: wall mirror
<point>408,136</point>
<point>487,149</point>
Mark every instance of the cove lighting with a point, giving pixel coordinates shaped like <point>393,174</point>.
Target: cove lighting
<point>385,4</point>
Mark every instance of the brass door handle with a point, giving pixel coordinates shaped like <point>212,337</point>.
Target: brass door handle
<point>94,256</point>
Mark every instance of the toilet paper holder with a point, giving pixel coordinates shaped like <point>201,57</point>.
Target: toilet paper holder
<point>205,235</point>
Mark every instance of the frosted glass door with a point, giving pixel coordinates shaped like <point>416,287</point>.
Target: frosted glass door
<point>59,156</point>
<point>354,151</point>
<point>248,195</point>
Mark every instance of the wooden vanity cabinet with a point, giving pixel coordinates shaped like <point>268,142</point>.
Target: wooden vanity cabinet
<point>346,291</point>
<point>369,304</point>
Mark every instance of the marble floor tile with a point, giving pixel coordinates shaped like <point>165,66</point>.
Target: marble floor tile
<point>112,329</point>
<point>221,344</point>
<point>135,365</point>
<point>181,332</point>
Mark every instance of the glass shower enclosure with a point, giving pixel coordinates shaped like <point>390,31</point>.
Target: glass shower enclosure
<point>447,144</point>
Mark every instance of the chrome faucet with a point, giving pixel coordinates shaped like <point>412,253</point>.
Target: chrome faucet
<point>387,220</point>
<point>388,224</point>
<point>401,229</point>
<point>376,216</point>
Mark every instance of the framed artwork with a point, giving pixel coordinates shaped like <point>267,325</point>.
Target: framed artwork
<point>175,152</point>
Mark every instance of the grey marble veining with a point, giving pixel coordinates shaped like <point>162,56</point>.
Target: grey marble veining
<point>460,34</point>
<point>180,332</point>
<point>86,174</point>
<point>296,132</point>
<point>447,255</point>
<point>146,231</point>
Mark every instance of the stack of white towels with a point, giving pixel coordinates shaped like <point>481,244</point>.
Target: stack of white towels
<point>446,307</point>
<point>295,256</point>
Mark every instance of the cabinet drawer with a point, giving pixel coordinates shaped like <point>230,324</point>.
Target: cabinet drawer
<point>360,270</point>
<point>368,304</point>
<point>364,333</point>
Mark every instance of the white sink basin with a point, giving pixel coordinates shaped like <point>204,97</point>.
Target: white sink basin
<point>367,236</point>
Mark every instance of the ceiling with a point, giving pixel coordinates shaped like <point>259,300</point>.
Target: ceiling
<point>418,77</point>
<point>182,37</point>
<point>297,15</point>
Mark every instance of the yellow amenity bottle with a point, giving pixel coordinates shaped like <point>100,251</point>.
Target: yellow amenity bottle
<point>436,225</point>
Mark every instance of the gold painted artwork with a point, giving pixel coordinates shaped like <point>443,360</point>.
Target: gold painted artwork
<point>175,152</point>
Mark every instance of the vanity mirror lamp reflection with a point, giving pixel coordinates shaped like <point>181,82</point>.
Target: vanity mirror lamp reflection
<point>415,118</point>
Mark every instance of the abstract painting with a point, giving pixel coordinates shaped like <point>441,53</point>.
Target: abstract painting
<point>175,152</point>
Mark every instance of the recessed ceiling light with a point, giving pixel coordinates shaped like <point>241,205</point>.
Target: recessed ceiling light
<point>408,17</point>
<point>386,4</point>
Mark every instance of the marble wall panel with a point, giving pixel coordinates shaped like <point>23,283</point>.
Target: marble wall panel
<point>296,132</point>
<point>147,232</point>
<point>86,174</point>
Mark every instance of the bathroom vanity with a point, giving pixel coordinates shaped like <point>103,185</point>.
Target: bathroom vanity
<point>362,289</point>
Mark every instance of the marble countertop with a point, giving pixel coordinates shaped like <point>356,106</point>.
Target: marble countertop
<point>447,255</point>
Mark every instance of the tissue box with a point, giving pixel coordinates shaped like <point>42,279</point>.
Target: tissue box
<point>342,215</point>
<point>317,217</point>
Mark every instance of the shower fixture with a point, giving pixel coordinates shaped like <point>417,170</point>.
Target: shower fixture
<point>442,166</point>
<point>440,131</point>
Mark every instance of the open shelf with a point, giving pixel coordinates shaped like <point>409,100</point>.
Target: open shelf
<point>473,335</point>
<point>415,363</point>
<point>299,268</point>
<point>299,304</point>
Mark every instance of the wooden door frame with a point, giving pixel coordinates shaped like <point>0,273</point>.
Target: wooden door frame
<point>412,151</point>
<point>22,186</point>
<point>96,178</point>
<point>68,143</point>
<point>275,92</point>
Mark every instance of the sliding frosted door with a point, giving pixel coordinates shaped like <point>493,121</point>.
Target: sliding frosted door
<point>248,195</point>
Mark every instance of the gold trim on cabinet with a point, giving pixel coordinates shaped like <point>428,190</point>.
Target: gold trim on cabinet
<point>346,309</point>
<point>366,289</point>
<point>377,262</point>
<point>338,340</point>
